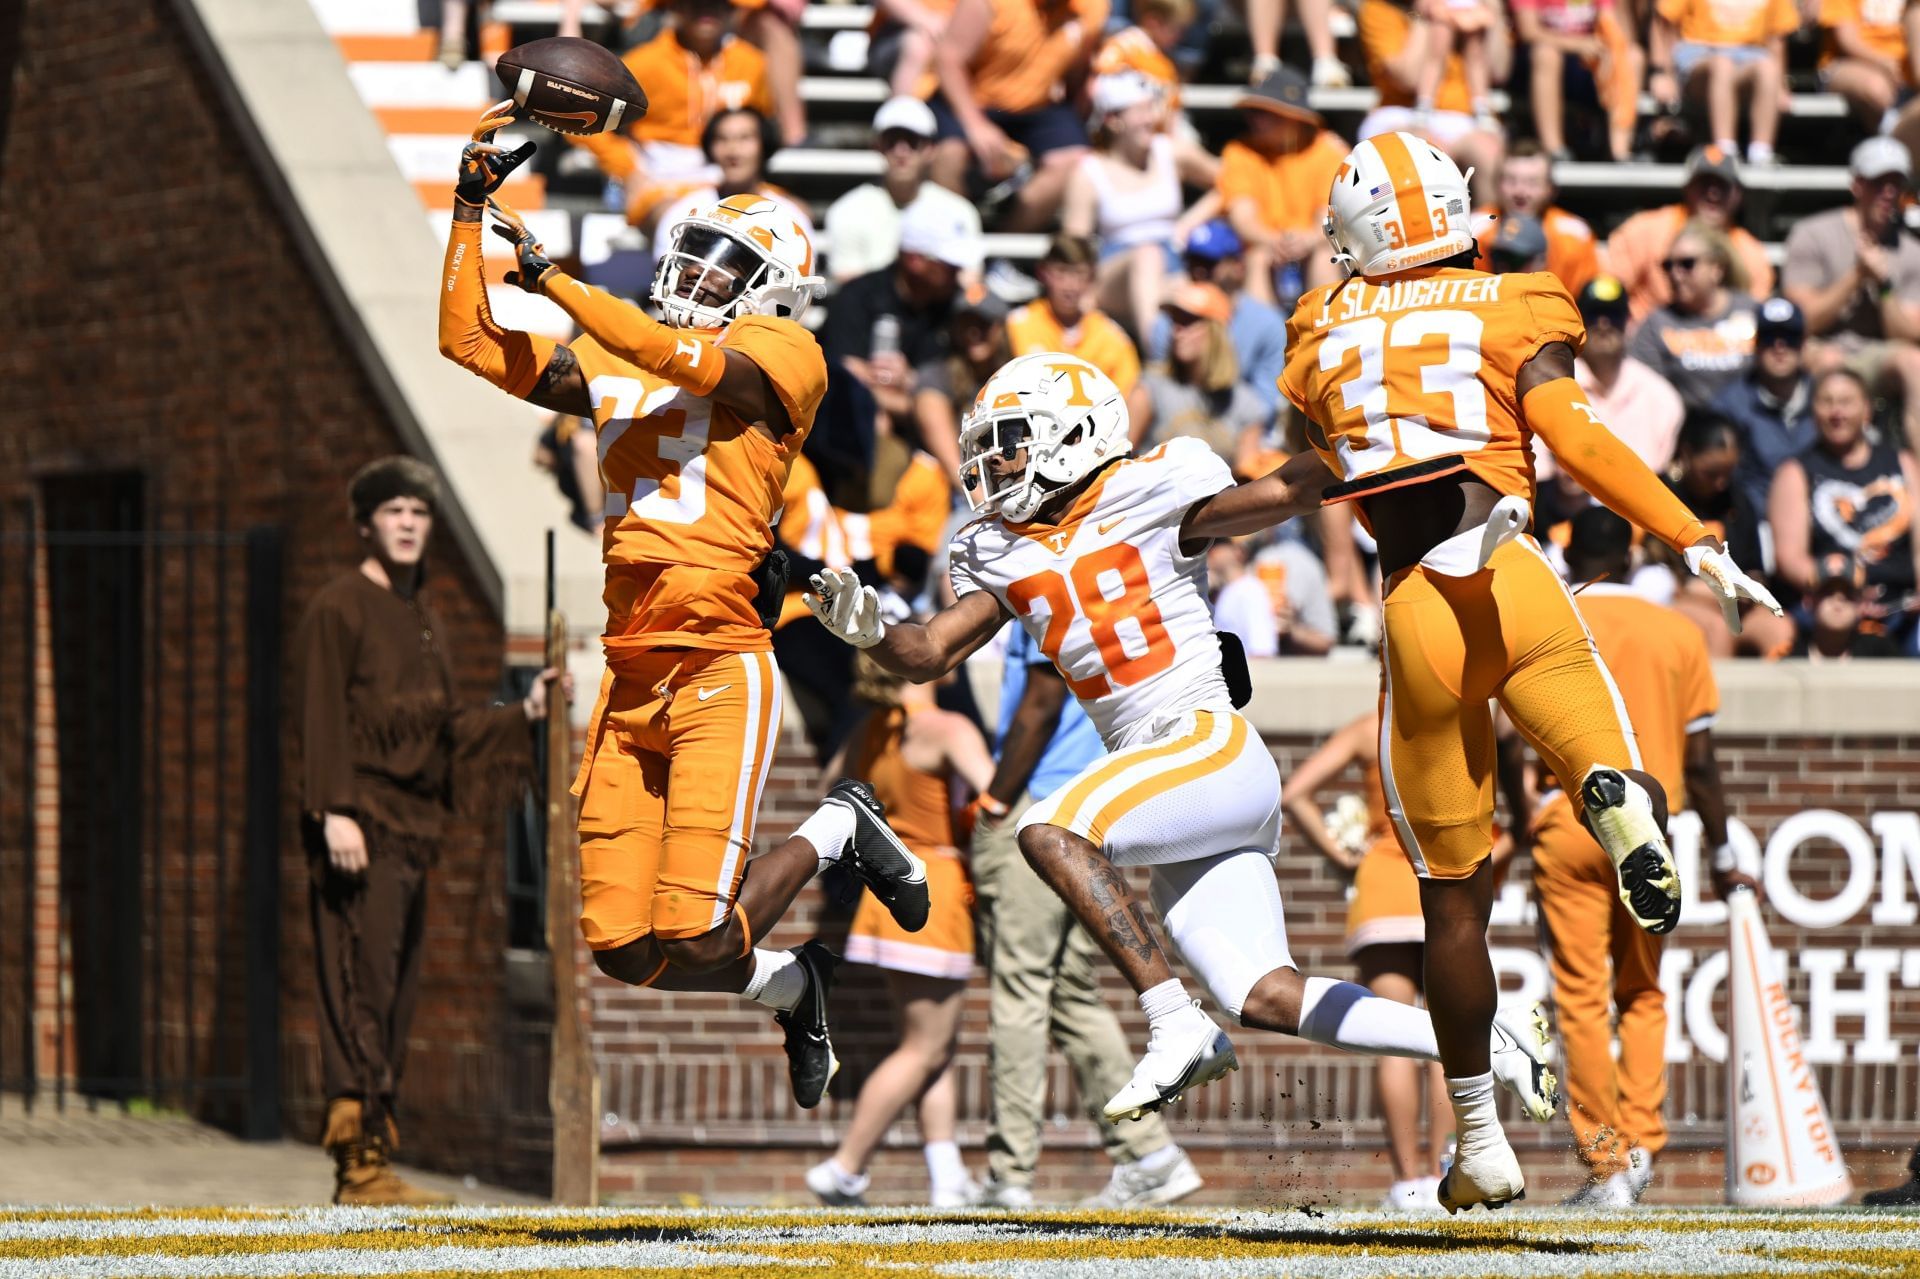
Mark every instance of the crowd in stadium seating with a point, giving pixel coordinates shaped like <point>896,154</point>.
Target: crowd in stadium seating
<point>1782,411</point>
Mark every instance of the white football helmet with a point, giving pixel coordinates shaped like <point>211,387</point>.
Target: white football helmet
<point>1398,202</point>
<point>1069,417</point>
<point>744,256</point>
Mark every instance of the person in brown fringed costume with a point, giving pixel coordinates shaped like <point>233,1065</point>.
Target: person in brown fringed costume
<point>386,756</point>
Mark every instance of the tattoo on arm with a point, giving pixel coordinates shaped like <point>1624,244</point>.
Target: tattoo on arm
<point>562,387</point>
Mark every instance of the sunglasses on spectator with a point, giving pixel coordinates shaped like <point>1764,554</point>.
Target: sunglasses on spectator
<point>1673,266</point>
<point>1180,319</point>
<point>898,137</point>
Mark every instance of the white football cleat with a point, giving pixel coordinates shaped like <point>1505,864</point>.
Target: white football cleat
<point>1639,1171</point>
<point>1484,1172</point>
<point>1180,1055</point>
<point>1133,1186</point>
<point>1520,1062</point>
<point>1620,814</point>
<point>1419,1194</point>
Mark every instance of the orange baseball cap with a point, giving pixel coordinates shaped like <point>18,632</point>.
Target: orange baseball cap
<point>1197,298</point>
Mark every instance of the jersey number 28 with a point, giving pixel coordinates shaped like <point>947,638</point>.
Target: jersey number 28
<point>1108,587</point>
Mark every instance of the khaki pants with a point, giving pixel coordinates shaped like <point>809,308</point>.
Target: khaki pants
<point>1043,980</point>
<point>1602,961</point>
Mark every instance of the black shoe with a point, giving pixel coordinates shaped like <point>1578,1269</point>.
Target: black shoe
<point>882,862</point>
<point>811,1064</point>
<point>1906,1195</point>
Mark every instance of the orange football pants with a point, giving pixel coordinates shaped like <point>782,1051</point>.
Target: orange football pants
<point>1453,643</point>
<point>677,753</point>
<point>1613,1106</point>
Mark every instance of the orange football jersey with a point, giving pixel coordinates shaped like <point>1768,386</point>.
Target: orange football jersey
<point>693,490</point>
<point>1423,365</point>
<point>1880,24</point>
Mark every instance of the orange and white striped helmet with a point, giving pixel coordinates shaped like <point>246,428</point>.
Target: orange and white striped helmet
<point>746,255</point>
<point>1398,202</point>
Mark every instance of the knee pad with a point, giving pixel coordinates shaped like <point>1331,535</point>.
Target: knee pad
<point>1224,916</point>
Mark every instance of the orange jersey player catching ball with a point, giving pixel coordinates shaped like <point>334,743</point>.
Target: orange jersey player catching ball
<point>1423,381</point>
<point>698,421</point>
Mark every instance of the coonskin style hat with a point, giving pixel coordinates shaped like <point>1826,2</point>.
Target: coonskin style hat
<point>385,478</point>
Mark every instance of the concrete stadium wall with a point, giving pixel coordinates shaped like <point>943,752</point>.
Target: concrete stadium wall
<point>1822,770</point>
<point>162,317</point>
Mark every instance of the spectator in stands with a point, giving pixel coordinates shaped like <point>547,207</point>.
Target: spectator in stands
<point>1518,243</point>
<point>737,143</point>
<point>863,226</point>
<point>1241,607</point>
<point>1274,182</point>
<point>1717,51</point>
<point>1703,338</point>
<point>1706,482</point>
<point>1003,67</point>
<point>1197,391</point>
<point>1637,250</point>
<point>1299,594</point>
<point>945,387</point>
<point>1397,40</point>
<point>1215,256</point>
<point>1634,401</point>
<point>1574,53</point>
<point>1457,26</point>
<point>1853,494</point>
<point>386,756</point>
<point>1146,48</point>
<point>908,307</point>
<point>1526,187</point>
<point>1126,194</point>
<point>900,44</point>
<point>692,70</point>
<point>1855,274</point>
<point>1064,318</point>
<point>1772,406</point>
<point>1267,18</point>
<point>773,26</point>
<point>1835,625</point>
<point>570,453</point>
<point>1865,60</point>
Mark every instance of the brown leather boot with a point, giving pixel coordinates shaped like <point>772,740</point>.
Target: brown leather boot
<point>362,1172</point>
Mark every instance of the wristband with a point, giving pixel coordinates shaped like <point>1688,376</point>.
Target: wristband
<point>1724,859</point>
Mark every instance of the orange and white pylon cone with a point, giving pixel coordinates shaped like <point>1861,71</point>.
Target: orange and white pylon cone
<point>1781,1148</point>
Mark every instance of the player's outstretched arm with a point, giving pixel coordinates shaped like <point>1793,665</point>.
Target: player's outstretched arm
<point>919,651</point>
<point>1558,412</point>
<point>524,365</point>
<point>729,378</point>
<point>1292,488</point>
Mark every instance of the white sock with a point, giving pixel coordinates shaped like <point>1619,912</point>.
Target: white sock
<point>945,1169</point>
<point>778,980</point>
<point>850,1183</point>
<point>1155,1160</point>
<point>1473,1108</point>
<point>1168,999</point>
<point>1729,146</point>
<point>829,830</point>
<point>1343,1015</point>
<point>1759,152</point>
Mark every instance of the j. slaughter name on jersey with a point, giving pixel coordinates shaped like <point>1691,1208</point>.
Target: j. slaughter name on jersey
<point>1357,298</point>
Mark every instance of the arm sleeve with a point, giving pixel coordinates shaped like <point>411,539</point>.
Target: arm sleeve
<point>636,337</point>
<point>1558,412</point>
<point>508,358</point>
<point>324,651</point>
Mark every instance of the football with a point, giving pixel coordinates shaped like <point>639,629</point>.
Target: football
<point>571,85</point>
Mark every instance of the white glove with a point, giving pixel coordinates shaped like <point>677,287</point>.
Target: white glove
<point>848,609</point>
<point>1729,584</point>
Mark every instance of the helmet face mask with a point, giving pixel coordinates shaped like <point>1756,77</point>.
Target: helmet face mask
<point>1064,415</point>
<point>745,256</point>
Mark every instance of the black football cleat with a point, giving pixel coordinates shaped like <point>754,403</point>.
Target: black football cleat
<point>811,1064</point>
<point>878,858</point>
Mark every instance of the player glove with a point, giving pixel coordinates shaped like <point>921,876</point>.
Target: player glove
<point>845,607</point>
<point>483,166</point>
<point>535,265</point>
<point>1728,583</point>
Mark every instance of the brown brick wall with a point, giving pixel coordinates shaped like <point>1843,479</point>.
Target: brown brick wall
<point>698,1087</point>
<point>160,319</point>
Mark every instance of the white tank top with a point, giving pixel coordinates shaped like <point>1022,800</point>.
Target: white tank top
<point>1146,214</point>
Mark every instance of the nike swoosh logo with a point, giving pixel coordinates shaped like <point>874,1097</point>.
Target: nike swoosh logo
<point>583,118</point>
<point>705,693</point>
<point>1108,527</point>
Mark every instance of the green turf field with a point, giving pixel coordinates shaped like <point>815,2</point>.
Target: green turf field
<point>899,1244</point>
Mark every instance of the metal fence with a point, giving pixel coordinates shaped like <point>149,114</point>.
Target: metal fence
<point>140,660</point>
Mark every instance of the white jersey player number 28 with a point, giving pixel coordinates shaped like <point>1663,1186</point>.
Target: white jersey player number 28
<point>1109,588</point>
<point>681,432</point>
<point>1395,429</point>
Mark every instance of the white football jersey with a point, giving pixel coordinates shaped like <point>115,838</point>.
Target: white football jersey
<point>1106,592</point>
